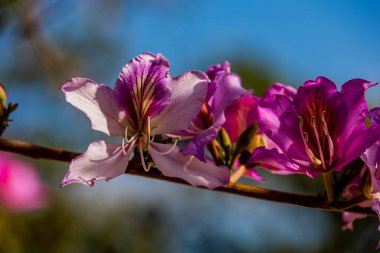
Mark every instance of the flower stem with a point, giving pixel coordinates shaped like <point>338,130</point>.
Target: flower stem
<point>40,152</point>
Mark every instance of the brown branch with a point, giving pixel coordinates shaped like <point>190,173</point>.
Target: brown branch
<point>319,202</point>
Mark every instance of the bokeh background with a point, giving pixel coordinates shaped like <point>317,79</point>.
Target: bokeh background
<point>43,43</point>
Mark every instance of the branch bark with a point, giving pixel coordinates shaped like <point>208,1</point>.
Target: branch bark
<point>318,202</point>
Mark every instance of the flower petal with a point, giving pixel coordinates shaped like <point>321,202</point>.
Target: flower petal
<point>197,144</point>
<point>101,161</point>
<point>228,90</point>
<point>240,115</point>
<point>188,168</point>
<point>188,93</point>
<point>280,124</point>
<point>349,218</point>
<point>354,94</point>
<point>97,102</point>
<point>273,161</point>
<point>281,89</point>
<point>143,88</point>
<point>354,145</point>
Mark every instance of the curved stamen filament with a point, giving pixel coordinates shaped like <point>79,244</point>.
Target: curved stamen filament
<point>169,150</point>
<point>130,145</point>
<point>313,123</point>
<point>329,140</point>
<point>192,124</point>
<point>304,137</point>
<point>141,143</point>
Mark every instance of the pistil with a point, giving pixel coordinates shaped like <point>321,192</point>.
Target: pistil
<point>314,125</point>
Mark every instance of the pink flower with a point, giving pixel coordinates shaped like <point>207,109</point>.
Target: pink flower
<point>146,108</point>
<point>21,188</point>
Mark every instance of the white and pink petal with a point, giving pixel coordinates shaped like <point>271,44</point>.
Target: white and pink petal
<point>101,161</point>
<point>188,168</point>
<point>97,102</point>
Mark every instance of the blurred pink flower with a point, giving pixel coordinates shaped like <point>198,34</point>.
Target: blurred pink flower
<point>21,188</point>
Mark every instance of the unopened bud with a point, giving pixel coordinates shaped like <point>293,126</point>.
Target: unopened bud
<point>224,138</point>
<point>3,96</point>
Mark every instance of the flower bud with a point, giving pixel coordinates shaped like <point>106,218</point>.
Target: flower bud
<point>3,96</point>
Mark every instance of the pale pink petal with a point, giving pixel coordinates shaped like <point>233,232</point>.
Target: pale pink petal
<point>188,93</point>
<point>188,168</point>
<point>102,161</point>
<point>97,102</point>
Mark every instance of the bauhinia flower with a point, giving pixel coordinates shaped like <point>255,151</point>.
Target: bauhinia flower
<point>21,189</point>
<point>316,130</point>
<point>360,185</point>
<point>224,88</point>
<point>146,106</point>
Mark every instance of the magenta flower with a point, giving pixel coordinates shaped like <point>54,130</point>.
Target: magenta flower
<point>224,88</point>
<point>371,158</point>
<point>21,189</point>
<point>146,102</point>
<point>318,129</point>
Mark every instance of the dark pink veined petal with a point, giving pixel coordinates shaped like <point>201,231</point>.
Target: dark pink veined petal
<point>280,124</point>
<point>354,144</point>
<point>97,102</point>
<point>354,94</point>
<point>240,115</point>
<point>188,168</point>
<point>101,161</point>
<point>274,161</point>
<point>197,144</point>
<point>143,88</point>
<point>319,97</point>
<point>188,93</point>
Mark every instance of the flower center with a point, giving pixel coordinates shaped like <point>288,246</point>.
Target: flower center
<point>317,140</point>
<point>142,139</point>
<point>203,120</point>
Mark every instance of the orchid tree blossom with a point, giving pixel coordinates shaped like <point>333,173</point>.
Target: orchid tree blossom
<point>319,129</point>
<point>21,188</point>
<point>371,188</point>
<point>224,88</point>
<point>146,108</point>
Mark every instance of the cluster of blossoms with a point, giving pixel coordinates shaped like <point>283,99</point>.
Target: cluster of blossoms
<point>206,129</point>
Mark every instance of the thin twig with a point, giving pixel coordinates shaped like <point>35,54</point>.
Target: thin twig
<point>318,202</point>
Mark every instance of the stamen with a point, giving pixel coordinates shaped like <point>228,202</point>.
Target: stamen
<point>322,159</point>
<point>130,146</point>
<point>148,128</point>
<point>304,137</point>
<point>151,140</point>
<point>192,124</point>
<point>142,155</point>
<point>329,140</point>
<point>169,150</point>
